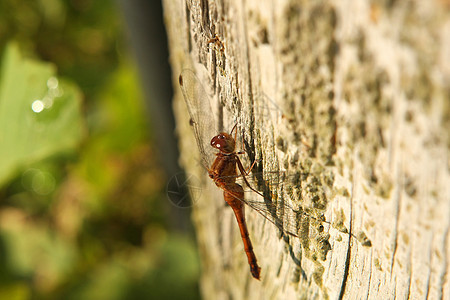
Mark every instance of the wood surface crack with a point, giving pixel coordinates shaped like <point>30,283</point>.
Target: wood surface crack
<point>349,249</point>
<point>408,292</point>
<point>370,274</point>
<point>397,201</point>
<point>444,273</point>
<point>250,79</point>
<point>430,270</point>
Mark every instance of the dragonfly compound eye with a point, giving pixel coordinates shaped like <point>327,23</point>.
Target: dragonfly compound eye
<point>223,142</point>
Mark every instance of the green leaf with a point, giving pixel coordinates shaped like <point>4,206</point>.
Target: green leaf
<point>39,114</point>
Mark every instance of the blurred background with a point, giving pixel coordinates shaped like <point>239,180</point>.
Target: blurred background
<point>84,212</point>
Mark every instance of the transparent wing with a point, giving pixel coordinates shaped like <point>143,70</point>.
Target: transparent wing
<point>274,194</point>
<point>202,118</point>
<point>271,194</point>
<point>267,108</point>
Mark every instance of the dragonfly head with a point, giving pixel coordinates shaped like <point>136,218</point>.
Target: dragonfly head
<point>224,142</point>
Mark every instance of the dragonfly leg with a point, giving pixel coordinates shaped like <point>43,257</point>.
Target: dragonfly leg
<point>251,167</point>
<point>234,127</point>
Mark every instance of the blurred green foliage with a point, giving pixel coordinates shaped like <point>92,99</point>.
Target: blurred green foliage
<point>83,214</point>
<point>39,115</point>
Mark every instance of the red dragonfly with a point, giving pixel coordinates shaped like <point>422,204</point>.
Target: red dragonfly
<point>224,167</point>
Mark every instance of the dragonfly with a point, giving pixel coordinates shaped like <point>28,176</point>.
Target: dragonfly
<point>221,160</point>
